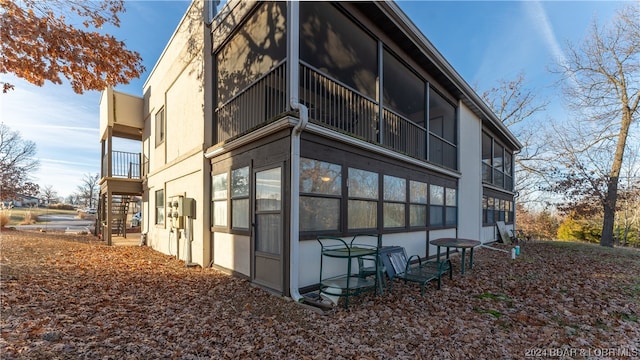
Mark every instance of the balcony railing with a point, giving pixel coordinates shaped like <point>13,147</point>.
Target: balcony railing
<point>330,103</point>
<point>264,99</point>
<point>123,165</point>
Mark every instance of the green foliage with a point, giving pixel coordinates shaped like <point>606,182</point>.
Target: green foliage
<point>579,229</point>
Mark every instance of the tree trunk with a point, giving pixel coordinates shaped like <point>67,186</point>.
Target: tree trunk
<point>612,186</point>
<point>609,213</point>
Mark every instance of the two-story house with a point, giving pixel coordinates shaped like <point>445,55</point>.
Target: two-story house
<point>275,122</point>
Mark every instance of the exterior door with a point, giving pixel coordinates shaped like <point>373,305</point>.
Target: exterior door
<point>268,224</point>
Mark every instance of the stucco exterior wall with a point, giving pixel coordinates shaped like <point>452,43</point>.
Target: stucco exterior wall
<point>470,182</point>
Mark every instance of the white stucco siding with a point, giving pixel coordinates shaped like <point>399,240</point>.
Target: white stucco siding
<point>232,252</point>
<point>184,115</point>
<point>470,183</point>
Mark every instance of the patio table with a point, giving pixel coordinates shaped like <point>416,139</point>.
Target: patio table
<point>457,243</point>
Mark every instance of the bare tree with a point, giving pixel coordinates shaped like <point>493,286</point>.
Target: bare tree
<point>517,106</point>
<point>17,162</point>
<point>87,190</point>
<point>602,86</point>
<point>48,194</point>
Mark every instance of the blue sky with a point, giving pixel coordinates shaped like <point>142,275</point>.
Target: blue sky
<point>485,41</point>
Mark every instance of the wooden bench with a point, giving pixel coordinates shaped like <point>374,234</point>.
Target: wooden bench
<point>414,269</point>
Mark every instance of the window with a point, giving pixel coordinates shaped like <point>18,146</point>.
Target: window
<point>442,131</point>
<point>363,199</point>
<point>418,204</point>
<point>436,202</point>
<point>487,156</point>
<point>320,193</point>
<point>497,163</point>
<point>219,200</point>
<point>160,126</point>
<point>160,207</point>
<point>404,91</point>
<point>240,198</point>
<point>443,206</point>
<point>336,46</point>
<point>451,207</point>
<point>395,197</point>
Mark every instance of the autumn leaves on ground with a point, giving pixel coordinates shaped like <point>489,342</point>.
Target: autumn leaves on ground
<point>66,297</point>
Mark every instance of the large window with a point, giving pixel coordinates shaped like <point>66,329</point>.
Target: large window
<point>219,200</point>
<point>395,198</point>
<point>403,90</point>
<point>240,198</point>
<point>442,131</point>
<point>258,47</point>
<point>336,46</point>
<point>363,199</point>
<point>320,193</point>
<point>160,207</point>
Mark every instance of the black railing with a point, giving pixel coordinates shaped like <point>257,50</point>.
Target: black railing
<point>124,165</point>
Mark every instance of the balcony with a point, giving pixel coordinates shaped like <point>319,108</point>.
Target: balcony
<point>330,103</point>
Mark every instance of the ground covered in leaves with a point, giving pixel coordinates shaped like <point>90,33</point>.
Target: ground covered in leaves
<point>66,297</point>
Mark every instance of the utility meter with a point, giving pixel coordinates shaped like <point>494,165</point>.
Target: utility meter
<point>179,208</point>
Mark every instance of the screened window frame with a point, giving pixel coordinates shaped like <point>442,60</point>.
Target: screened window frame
<point>386,201</point>
<point>223,200</point>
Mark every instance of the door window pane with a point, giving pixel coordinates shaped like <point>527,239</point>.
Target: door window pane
<point>268,194</point>
<point>269,229</point>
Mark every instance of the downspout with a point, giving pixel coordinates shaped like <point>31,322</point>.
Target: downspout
<point>293,55</point>
<point>294,243</point>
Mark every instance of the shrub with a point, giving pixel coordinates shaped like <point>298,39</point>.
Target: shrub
<point>5,214</point>
<point>29,218</point>
<point>61,206</point>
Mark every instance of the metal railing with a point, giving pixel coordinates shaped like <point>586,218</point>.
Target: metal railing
<point>261,101</point>
<point>123,165</point>
<point>338,106</point>
<point>404,135</point>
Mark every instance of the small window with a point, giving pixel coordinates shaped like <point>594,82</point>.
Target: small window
<point>418,192</point>
<point>219,200</point>
<point>363,199</point>
<point>395,197</point>
<point>160,207</point>
<point>240,198</point>
<point>160,127</point>
<point>436,205</point>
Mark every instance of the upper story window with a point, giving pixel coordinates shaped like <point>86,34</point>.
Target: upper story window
<point>404,91</point>
<point>497,163</point>
<point>252,51</point>
<point>160,126</point>
<point>336,46</point>
<point>442,131</point>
